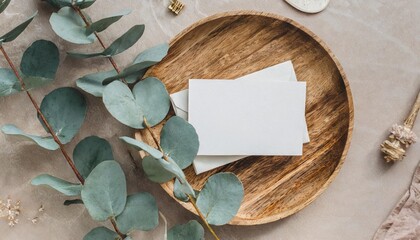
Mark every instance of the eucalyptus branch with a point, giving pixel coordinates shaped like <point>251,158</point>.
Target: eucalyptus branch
<point>41,115</point>
<point>111,60</point>
<point>190,198</point>
<point>50,130</point>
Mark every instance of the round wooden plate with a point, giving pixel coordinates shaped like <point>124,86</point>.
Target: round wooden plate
<point>230,45</point>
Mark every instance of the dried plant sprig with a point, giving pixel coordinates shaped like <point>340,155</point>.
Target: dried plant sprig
<point>401,137</point>
<point>10,211</point>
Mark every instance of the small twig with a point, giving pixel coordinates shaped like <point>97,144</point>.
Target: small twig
<point>114,224</point>
<point>191,199</point>
<point>43,119</point>
<point>111,60</point>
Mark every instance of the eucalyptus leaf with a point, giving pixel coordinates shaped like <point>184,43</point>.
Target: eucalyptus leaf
<point>69,3</point>
<point>178,193</point>
<point>67,188</point>
<point>72,202</point>
<point>122,43</point>
<point>41,59</point>
<point>44,142</point>
<point>139,145</point>
<point>179,140</point>
<point>104,23</point>
<point>67,24</point>
<point>92,83</point>
<point>90,152</point>
<point>154,170</point>
<point>140,213</point>
<point>3,5</point>
<point>15,32</point>
<point>65,110</point>
<point>149,99</point>
<point>9,84</point>
<point>189,231</point>
<point>170,165</point>
<point>105,192</point>
<point>220,198</point>
<point>101,233</point>
<point>141,63</point>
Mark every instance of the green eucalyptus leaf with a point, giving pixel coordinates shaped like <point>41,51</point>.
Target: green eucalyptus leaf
<point>154,170</point>
<point>15,32</point>
<point>92,83</point>
<point>72,202</point>
<point>129,71</point>
<point>178,193</point>
<point>65,110</point>
<point>90,152</point>
<point>122,43</point>
<point>3,5</point>
<point>128,238</point>
<point>141,63</point>
<point>139,145</point>
<point>84,3</point>
<point>44,142</point>
<point>149,99</point>
<point>39,63</point>
<point>140,213</point>
<point>101,233</point>
<point>105,192</point>
<point>220,198</point>
<point>179,140</point>
<point>9,83</point>
<point>67,188</point>
<point>67,24</point>
<point>104,23</point>
<point>189,231</point>
<point>170,165</point>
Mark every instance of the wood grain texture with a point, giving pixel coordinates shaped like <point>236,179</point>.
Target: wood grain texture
<point>230,45</point>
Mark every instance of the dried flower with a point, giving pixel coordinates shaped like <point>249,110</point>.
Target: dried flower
<point>10,211</point>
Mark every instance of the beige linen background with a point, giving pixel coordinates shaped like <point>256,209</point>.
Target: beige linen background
<point>377,42</point>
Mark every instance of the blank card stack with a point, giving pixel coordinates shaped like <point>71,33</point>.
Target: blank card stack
<point>262,113</point>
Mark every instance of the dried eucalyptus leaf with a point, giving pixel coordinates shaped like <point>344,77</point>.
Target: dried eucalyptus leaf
<point>139,145</point>
<point>141,63</point>
<point>15,32</point>
<point>67,24</point>
<point>140,213</point>
<point>189,231</point>
<point>3,5</point>
<point>179,140</point>
<point>149,99</point>
<point>220,198</point>
<point>9,84</point>
<point>101,233</point>
<point>122,43</point>
<point>92,83</point>
<point>41,60</point>
<point>104,23</point>
<point>89,152</point>
<point>154,170</point>
<point>105,192</point>
<point>44,142</point>
<point>67,188</point>
<point>65,110</point>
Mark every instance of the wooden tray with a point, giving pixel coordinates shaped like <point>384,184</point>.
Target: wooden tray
<point>230,45</point>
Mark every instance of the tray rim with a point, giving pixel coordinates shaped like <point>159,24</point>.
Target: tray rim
<point>168,186</point>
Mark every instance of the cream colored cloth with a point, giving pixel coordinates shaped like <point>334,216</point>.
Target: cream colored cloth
<point>404,221</point>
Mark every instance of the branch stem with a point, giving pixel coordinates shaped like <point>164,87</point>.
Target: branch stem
<point>192,201</point>
<point>114,224</point>
<point>42,117</point>
<point>111,60</point>
<point>190,198</point>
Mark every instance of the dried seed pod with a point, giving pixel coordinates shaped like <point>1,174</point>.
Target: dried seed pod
<point>401,136</point>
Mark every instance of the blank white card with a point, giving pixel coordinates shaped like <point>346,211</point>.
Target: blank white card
<point>247,117</point>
